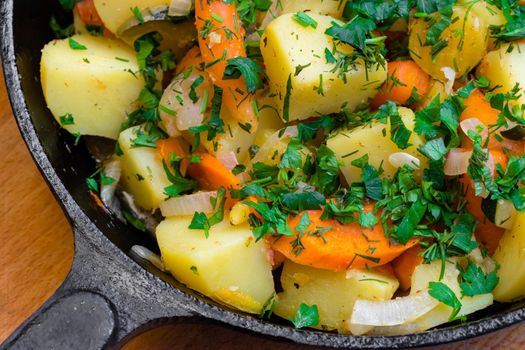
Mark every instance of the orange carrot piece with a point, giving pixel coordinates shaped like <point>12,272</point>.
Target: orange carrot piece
<point>405,264</point>
<point>341,246</point>
<point>211,174</point>
<point>478,107</point>
<point>176,146</point>
<point>221,37</point>
<point>88,13</point>
<point>403,78</point>
<point>192,58</point>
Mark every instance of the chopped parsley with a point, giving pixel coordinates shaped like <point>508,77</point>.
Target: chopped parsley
<point>443,293</point>
<point>304,20</point>
<point>306,316</point>
<point>76,45</point>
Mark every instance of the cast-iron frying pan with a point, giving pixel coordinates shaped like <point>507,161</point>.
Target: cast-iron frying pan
<point>107,296</point>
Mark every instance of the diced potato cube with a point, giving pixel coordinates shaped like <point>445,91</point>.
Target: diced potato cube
<point>374,139</point>
<point>298,53</point>
<point>332,8</point>
<point>504,68</point>
<point>229,266</point>
<point>116,13</point>
<point>334,293</point>
<point>143,175</point>
<point>510,256</point>
<point>92,85</point>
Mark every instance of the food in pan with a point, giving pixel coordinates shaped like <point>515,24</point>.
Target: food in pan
<point>350,166</point>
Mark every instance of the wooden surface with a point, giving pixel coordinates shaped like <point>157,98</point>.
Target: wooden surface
<point>36,252</point>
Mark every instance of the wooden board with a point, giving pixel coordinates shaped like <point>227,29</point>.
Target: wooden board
<point>36,251</point>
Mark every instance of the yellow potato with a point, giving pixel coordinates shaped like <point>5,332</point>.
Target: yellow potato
<point>116,13</point>
<point>510,255</point>
<point>287,47</point>
<point>332,8</point>
<point>374,139</point>
<point>229,266</point>
<point>143,175</point>
<point>467,40</point>
<point>334,293</point>
<point>92,85</point>
<point>504,68</point>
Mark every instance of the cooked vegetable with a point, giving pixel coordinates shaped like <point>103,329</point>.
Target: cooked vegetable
<point>333,8</point>
<point>504,68</point>
<point>143,175</point>
<point>211,174</point>
<point>245,280</point>
<point>510,256</point>
<point>304,82</point>
<point>405,81</point>
<point>334,293</point>
<point>87,89</point>
<point>374,140</point>
<point>405,264</point>
<point>326,244</point>
<point>462,44</point>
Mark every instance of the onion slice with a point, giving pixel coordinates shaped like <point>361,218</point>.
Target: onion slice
<point>392,312</point>
<point>188,204</point>
<point>228,159</point>
<point>399,159</point>
<point>113,170</point>
<point>289,132</point>
<point>457,161</point>
<point>180,8</point>
<point>475,125</point>
<point>450,75</point>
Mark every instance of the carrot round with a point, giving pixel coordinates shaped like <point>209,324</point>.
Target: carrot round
<point>339,248</point>
<point>88,13</point>
<point>211,174</point>
<point>404,77</point>
<point>405,264</point>
<point>221,37</point>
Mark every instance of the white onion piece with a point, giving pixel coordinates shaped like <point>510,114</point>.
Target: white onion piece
<point>457,162</point>
<point>392,312</point>
<point>188,204</point>
<point>228,159</point>
<point>113,170</point>
<point>475,125</point>
<point>142,253</point>
<point>399,159</point>
<point>180,8</point>
<point>505,214</point>
<point>289,132</point>
<point>450,75</point>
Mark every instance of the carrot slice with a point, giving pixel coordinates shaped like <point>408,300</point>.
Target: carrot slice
<point>403,78</point>
<point>88,13</point>
<point>340,247</point>
<point>221,37</point>
<point>211,174</point>
<point>405,264</point>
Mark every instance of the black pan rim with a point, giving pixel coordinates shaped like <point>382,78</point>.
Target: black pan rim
<point>311,337</point>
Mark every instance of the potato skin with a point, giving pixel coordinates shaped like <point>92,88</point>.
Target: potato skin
<point>92,85</point>
<point>460,55</point>
<point>510,255</point>
<point>504,67</point>
<point>229,266</point>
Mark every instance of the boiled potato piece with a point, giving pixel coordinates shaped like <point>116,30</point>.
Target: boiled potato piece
<point>334,293</point>
<point>332,8</point>
<point>374,139</point>
<point>229,266</point>
<point>467,40</point>
<point>423,274</point>
<point>143,175</point>
<point>504,68</point>
<point>116,13</point>
<point>315,89</point>
<point>510,255</point>
<point>92,85</point>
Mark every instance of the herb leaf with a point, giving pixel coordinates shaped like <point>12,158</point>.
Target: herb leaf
<point>306,316</point>
<point>443,293</point>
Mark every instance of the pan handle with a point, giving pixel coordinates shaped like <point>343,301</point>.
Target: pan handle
<point>105,300</point>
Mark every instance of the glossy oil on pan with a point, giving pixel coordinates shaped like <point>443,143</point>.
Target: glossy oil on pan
<point>108,297</point>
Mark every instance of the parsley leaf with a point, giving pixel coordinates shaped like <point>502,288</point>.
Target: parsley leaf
<point>67,4</point>
<point>299,201</point>
<point>353,32</point>
<point>304,20</point>
<point>308,130</point>
<point>306,316</point>
<point>367,220</point>
<point>412,218</point>
<point>252,73</point>
<point>399,133</point>
<point>76,45</point>
<point>475,281</point>
<point>444,294</point>
<point>434,149</point>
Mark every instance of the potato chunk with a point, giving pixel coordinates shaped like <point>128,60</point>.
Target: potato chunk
<point>143,175</point>
<point>334,293</point>
<point>92,85</point>
<point>297,54</point>
<point>332,8</point>
<point>510,255</point>
<point>466,39</point>
<point>115,13</point>
<point>229,266</point>
<point>504,68</point>
<point>374,139</point>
